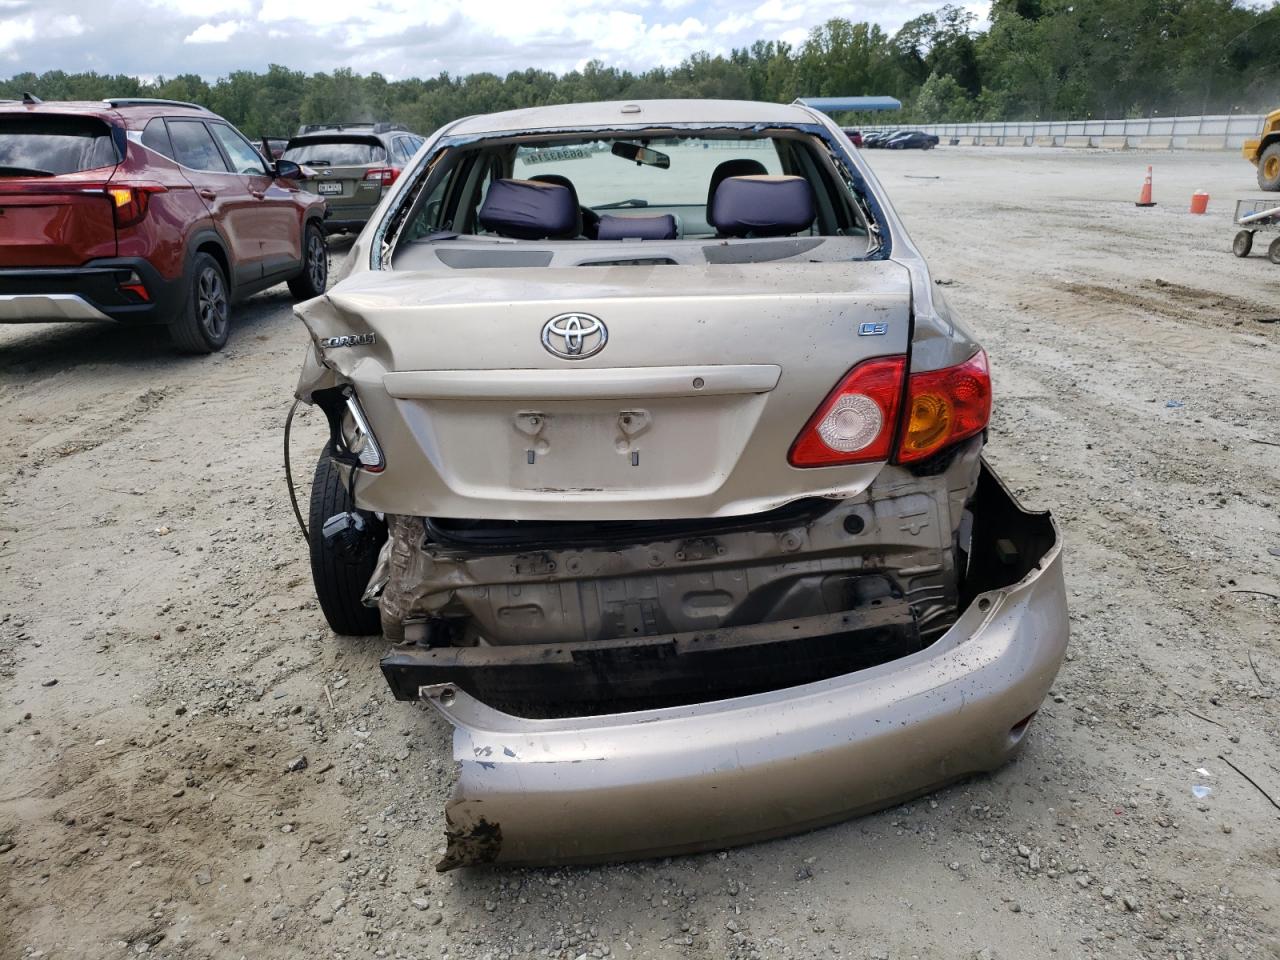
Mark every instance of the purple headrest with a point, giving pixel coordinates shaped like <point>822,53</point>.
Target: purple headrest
<point>761,206</point>
<point>530,210</point>
<point>661,227</point>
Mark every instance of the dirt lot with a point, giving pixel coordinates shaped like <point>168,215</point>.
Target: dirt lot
<point>150,565</point>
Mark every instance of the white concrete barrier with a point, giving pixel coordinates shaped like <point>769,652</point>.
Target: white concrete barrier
<point>1221,132</point>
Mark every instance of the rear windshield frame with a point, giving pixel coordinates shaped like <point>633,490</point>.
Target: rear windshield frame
<point>107,148</point>
<point>418,186</point>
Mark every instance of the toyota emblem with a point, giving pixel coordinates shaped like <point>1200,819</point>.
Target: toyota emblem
<point>574,336</point>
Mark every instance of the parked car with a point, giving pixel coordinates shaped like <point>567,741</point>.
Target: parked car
<point>855,136</point>
<point>351,165</point>
<point>657,455</point>
<point>911,140</point>
<point>146,211</point>
<point>273,147</point>
<point>877,139</point>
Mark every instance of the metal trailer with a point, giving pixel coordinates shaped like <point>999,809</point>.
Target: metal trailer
<point>1253,216</point>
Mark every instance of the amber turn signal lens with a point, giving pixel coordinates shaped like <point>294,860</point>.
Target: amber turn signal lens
<point>944,407</point>
<point>929,422</point>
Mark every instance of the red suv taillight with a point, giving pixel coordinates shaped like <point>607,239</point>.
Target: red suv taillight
<point>385,175</point>
<point>857,421</point>
<point>944,407</point>
<point>129,202</point>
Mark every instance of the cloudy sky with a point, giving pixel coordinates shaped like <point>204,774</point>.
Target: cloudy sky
<point>401,38</point>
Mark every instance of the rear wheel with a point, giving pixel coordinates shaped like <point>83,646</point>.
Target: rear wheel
<point>1242,243</point>
<point>205,321</point>
<point>341,577</point>
<point>313,278</point>
<point>1273,251</point>
<point>1269,168</point>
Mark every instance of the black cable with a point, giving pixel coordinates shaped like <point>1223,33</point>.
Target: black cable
<point>288,472</point>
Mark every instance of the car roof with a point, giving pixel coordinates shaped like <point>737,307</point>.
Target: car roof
<point>128,111</point>
<point>631,113</point>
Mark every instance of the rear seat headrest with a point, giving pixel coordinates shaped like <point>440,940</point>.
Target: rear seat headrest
<point>737,167</point>
<point>530,210</point>
<point>761,206</point>
<point>660,227</point>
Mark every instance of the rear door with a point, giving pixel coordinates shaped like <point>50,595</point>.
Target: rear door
<point>225,193</point>
<point>276,221</point>
<point>54,209</point>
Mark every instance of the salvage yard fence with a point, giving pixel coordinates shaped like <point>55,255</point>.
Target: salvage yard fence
<point>1223,132</point>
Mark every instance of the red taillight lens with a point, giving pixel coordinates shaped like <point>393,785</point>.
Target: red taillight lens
<point>385,175</point>
<point>857,421</point>
<point>129,203</point>
<point>944,407</point>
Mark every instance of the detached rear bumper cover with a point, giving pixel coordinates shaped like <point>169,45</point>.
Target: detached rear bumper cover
<point>715,774</point>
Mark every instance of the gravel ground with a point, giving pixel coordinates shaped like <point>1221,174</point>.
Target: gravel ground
<point>163,666</point>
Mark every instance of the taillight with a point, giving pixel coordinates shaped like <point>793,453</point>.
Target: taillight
<point>385,175</point>
<point>129,203</point>
<point>944,407</point>
<point>857,420</point>
<point>358,438</point>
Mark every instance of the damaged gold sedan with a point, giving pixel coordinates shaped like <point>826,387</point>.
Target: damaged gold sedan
<point>657,455</point>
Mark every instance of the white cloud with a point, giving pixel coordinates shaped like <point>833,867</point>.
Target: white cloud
<point>795,37</point>
<point>206,9</point>
<point>776,11</point>
<point>14,32</point>
<point>214,33</point>
<point>319,15</point>
<point>62,26</point>
<point>735,23</point>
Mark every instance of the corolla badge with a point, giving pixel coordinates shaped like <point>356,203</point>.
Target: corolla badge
<point>358,340</point>
<point>574,336</point>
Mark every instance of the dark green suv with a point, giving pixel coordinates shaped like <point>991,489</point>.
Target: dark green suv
<point>350,165</point>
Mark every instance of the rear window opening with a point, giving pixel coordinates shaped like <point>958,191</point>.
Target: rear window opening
<point>636,198</point>
<point>51,146</point>
<point>336,151</point>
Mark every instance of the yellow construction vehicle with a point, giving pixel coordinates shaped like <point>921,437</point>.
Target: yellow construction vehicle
<point>1264,153</point>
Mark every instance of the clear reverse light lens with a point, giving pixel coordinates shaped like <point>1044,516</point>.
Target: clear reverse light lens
<point>851,424</point>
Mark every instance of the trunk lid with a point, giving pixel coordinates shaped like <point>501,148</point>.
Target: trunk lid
<point>54,210</point>
<point>686,409</point>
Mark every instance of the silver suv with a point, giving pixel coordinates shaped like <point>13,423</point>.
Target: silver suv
<point>351,165</point>
<point>657,456</point>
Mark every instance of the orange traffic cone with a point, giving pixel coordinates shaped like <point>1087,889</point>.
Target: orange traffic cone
<point>1199,202</point>
<point>1144,199</point>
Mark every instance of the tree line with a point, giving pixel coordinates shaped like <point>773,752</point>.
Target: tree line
<point>1035,59</point>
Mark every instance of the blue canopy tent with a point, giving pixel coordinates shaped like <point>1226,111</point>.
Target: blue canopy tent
<point>850,104</point>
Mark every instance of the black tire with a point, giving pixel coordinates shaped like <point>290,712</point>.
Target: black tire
<point>314,276</point>
<point>205,321</point>
<point>1242,243</point>
<point>1273,251</point>
<point>340,581</point>
<point>1269,168</point>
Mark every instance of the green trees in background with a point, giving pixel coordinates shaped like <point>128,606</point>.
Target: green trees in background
<point>1037,59</point>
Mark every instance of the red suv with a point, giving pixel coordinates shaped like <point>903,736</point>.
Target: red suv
<point>146,211</point>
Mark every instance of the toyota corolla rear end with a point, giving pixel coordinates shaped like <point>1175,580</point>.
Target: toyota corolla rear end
<point>683,522</point>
